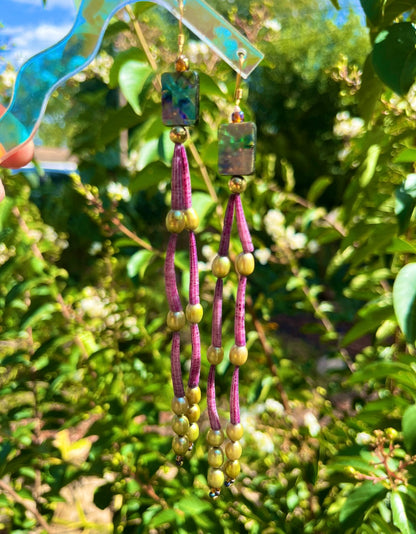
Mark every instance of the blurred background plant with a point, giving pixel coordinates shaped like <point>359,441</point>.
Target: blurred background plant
<point>330,387</point>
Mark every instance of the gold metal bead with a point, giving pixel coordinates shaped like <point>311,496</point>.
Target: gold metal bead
<point>215,438</point>
<point>244,264</point>
<point>215,355</point>
<point>180,405</point>
<point>180,445</point>
<point>215,478</point>
<point>194,313</point>
<point>175,221</point>
<point>176,320</point>
<point>232,468</point>
<point>193,432</point>
<point>238,355</point>
<point>237,184</point>
<point>193,395</point>
<point>221,266</point>
<point>233,450</point>
<point>182,63</point>
<point>191,219</point>
<point>235,432</point>
<point>178,135</point>
<point>193,413</point>
<point>180,425</point>
<point>215,457</point>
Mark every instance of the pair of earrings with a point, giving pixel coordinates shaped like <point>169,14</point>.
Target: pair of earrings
<point>237,139</point>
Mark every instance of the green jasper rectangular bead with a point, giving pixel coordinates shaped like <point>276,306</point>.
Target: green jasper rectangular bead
<point>237,148</point>
<point>180,98</point>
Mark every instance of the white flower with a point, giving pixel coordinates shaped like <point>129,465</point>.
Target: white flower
<point>263,255</point>
<point>346,126</point>
<point>118,191</point>
<point>95,248</point>
<point>312,423</point>
<point>275,407</point>
<point>362,438</point>
<point>8,77</point>
<point>313,246</point>
<point>208,252</point>
<point>273,25</point>
<point>274,221</point>
<point>296,240</point>
<point>264,442</point>
<point>93,306</point>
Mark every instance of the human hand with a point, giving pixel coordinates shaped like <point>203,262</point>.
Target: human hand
<point>19,159</point>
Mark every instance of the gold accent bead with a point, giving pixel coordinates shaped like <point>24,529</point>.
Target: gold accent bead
<point>178,135</point>
<point>180,425</point>
<point>193,413</point>
<point>237,184</point>
<point>180,445</point>
<point>238,355</point>
<point>215,457</point>
<point>194,313</point>
<point>215,355</point>
<point>215,478</point>
<point>232,468</point>
<point>221,266</point>
<point>176,320</point>
<point>233,450</point>
<point>180,405</point>
<point>244,264</point>
<point>191,219</point>
<point>193,433</point>
<point>235,432</point>
<point>193,395</point>
<point>175,221</point>
<point>182,64</point>
<point>215,437</point>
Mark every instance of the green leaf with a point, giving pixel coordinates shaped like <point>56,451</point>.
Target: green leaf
<point>394,56</point>
<point>42,313</point>
<point>193,506</point>
<point>409,429</point>
<point>370,90</point>
<point>167,516</point>
<point>138,263</point>
<point>132,78</point>
<point>370,165</point>
<point>399,512</point>
<point>404,301</point>
<point>318,187</point>
<point>358,503</point>
<point>408,155</point>
<point>103,496</point>
<point>383,12</point>
<point>405,201</point>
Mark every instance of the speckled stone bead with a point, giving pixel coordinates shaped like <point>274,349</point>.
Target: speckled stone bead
<point>191,219</point>
<point>175,320</point>
<point>175,221</point>
<point>178,135</point>
<point>215,355</point>
<point>237,185</point>
<point>180,445</point>
<point>194,413</point>
<point>215,438</point>
<point>236,148</point>
<point>221,266</point>
<point>180,98</point>
<point>233,450</point>
<point>180,425</point>
<point>215,478</point>
<point>244,264</point>
<point>193,395</point>
<point>238,355</point>
<point>215,457</point>
<point>194,313</point>
<point>235,432</point>
<point>193,432</point>
<point>232,468</point>
<point>180,405</point>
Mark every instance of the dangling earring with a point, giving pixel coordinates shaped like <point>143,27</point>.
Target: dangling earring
<point>180,108</point>
<point>236,157</point>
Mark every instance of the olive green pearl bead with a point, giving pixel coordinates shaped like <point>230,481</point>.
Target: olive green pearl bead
<point>215,457</point>
<point>232,468</point>
<point>194,313</point>
<point>191,219</point>
<point>221,266</point>
<point>193,395</point>
<point>176,320</point>
<point>235,432</point>
<point>238,355</point>
<point>233,450</point>
<point>175,221</point>
<point>193,413</point>
<point>215,478</point>
<point>215,355</point>
<point>237,185</point>
<point>180,405</point>
<point>180,445</point>
<point>244,263</point>
<point>215,437</point>
<point>180,425</point>
<point>178,135</point>
<point>193,432</point>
